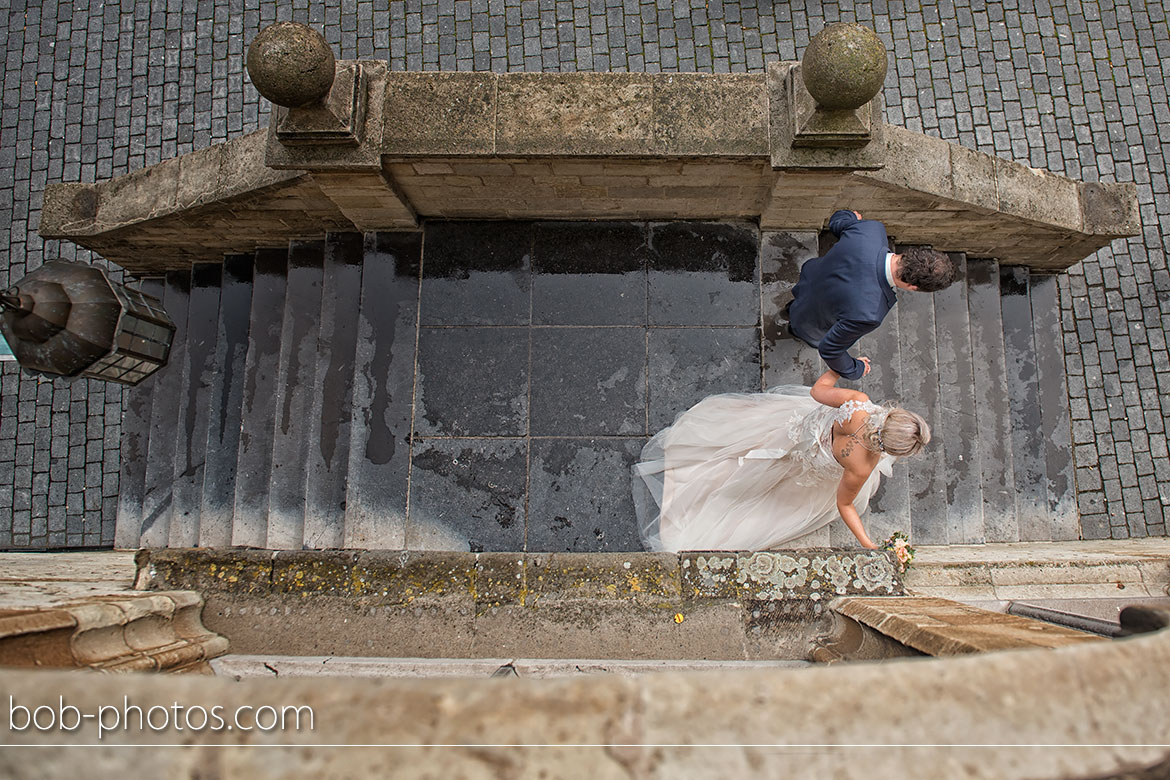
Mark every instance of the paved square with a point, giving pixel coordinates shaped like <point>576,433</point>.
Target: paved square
<point>1079,88</point>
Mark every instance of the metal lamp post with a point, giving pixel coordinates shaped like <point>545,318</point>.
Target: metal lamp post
<point>69,319</point>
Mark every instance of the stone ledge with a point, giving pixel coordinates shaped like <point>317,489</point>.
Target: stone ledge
<point>581,146</point>
<point>285,666</point>
<point>67,610</point>
<point>1098,693</point>
<point>218,174</point>
<point>936,626</point>
<point>1134,568</point>
<point>524,579</point>
<point>448,604</point>
<point>576,114</point>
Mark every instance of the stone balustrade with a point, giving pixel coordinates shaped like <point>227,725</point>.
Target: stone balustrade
<point>582,146</point>
<point>1045,710</point>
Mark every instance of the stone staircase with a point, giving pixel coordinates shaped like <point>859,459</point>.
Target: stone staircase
<point>485,386</point>
<point>983,361</point>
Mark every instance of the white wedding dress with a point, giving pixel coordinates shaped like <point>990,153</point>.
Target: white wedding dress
<point>745,471</point>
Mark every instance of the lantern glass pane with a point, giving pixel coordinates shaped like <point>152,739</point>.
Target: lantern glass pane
<point>142,342</point>
<point>140,305</point>
<point>144,338</point>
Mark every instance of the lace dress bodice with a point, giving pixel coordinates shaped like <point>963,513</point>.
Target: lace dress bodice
<point>812,435</point>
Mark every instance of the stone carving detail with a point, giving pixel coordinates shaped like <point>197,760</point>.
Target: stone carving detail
<point>122,632</point>
<point>316,100</point>
<point>291,64</point>
<point>844,66</point>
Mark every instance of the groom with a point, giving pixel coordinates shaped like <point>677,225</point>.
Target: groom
<point>847,293</point>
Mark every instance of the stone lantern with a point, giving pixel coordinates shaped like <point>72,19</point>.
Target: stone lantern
<point>69,319</point>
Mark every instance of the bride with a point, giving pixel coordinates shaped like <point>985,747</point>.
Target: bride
<point>753,471</point>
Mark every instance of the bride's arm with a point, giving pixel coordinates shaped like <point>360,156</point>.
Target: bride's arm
<point>847,490</point>
<point>826,391</point>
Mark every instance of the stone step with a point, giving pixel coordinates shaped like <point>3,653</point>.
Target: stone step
<point>294,385</point>
<point>989,382</point>
<point>958,415</point>
<point>202,374</point>
<point>1056,426</point>
<point>330,404</point>
<point>244,666</point>
<point>225,414</point>
<point>936,626</point>
<point>919,368</point>
<point>383,390</point>
<point>135,448</point>
<point>306,387</point>
<point>1028,448</point>
<point>258,409</point>
<point>168,416</point>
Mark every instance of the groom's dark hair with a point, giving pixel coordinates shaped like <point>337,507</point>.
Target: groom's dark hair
<point>927,269</point>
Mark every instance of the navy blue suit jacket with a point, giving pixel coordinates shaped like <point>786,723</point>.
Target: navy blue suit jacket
<point>844,294</point>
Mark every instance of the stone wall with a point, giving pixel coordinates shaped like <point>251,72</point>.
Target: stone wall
<point>731,606</point>
<point>576,188</point>
<point>658,726</point>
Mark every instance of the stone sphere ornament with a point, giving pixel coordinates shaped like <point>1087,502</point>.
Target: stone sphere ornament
<point>844,66</point>
<point>291,64</point>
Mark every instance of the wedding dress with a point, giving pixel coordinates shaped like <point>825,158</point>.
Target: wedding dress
<point>745,471</point>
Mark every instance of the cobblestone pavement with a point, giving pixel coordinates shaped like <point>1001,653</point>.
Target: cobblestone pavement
<point>92,90</point>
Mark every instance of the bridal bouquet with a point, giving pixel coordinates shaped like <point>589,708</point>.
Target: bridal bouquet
<point>899,543</point>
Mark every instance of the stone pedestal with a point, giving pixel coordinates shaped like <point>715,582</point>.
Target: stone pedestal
<point>815,127</point>
<point>338,119</point>
<point>804,136</point>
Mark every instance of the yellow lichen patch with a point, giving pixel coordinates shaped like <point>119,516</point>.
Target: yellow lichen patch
<point>632,581</point>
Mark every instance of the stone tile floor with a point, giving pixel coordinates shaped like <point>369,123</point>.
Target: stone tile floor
<point>93,90</point>
<point>533,401</point>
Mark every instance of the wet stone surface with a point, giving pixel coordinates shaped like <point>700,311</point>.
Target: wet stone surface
<point>704,274</point>
<point>477,273</point>
<point>590,274</point>
<point>548,353</point>
<point>472,382</point>
<point>579,496</point>
<point>467,494</point>
<point>688,364</point>
<point>588,381</point>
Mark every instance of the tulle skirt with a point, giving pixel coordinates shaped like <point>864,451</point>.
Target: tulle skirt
<point>742,471</point>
